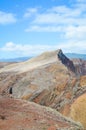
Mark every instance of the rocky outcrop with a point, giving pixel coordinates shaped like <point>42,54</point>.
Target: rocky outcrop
<point>66,61</point>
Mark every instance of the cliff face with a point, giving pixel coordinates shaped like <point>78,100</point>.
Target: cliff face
<point>77,66</point>
<point>67,62</point>
<point>80,66</point>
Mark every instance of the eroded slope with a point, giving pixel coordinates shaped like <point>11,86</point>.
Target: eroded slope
<point>21,115</point>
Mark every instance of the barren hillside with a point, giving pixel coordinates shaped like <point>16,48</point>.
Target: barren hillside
<point>22,115</point>
<point>50,79</point>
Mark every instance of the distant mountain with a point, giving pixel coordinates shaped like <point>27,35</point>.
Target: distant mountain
<point>19,59</point>
<point>75,55</point>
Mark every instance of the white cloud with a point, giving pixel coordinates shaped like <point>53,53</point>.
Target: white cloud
<point>81,1</point>
<point>6,18</point>
<point>58,16</point>
<point>10,46</point>
<point>65,11</point>
<point>76,32</point>
<point>44,29</point>
<point>73,46</point>
<point>30,11</point>
<point>68,22</point>
<point>20,50</point>
<point>25,49</point>
<point>54,18</point>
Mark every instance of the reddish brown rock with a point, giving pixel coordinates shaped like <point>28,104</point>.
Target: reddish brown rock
<point>21,115</point>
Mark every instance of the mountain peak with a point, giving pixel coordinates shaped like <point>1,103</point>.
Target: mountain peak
<point>43,59</point>
<point>59,51</point>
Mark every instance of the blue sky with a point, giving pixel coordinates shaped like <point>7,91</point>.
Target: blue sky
<point>30,27</point>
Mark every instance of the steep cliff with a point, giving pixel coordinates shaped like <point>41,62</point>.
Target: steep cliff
<point>66,61</point>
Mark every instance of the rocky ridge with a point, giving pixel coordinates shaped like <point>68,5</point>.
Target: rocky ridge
<point>66,61</point>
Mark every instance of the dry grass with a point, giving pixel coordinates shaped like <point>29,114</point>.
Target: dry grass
<point>83,81</point>
<point>78,110</point>
<point>26,97</point>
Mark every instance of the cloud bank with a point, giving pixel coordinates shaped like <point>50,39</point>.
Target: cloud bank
<point>7,18</point>
<point>69,21</point>
<point>20,50</point>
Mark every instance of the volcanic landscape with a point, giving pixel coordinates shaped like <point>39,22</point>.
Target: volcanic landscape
<point>47,92</point>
